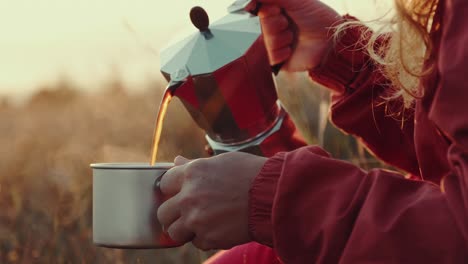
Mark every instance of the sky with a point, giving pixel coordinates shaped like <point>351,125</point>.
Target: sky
<point>91,41</point>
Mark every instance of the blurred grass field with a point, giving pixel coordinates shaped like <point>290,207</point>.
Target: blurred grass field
<point>48,142</point>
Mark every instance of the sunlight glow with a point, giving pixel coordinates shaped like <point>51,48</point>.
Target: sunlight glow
<point>90,41</point>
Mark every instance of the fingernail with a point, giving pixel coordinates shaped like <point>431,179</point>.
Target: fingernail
<point>157,182</point>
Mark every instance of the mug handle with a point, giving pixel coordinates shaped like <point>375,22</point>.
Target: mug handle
<point>157,182</point>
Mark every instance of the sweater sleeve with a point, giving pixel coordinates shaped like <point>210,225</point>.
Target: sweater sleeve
<point>358,104</point>
<point>329,211</point>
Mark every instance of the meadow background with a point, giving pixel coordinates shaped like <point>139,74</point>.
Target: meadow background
<point>79,83</point>
<point>49,140</point>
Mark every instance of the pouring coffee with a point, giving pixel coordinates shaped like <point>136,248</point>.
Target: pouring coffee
<point>222,76</point>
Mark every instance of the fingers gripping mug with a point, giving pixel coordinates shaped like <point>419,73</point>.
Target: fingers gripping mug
<point>125,202</point>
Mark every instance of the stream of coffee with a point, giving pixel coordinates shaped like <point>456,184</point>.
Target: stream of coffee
<point>168,94</point>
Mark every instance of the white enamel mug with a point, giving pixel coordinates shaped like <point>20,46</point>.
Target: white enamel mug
<point>125,202</point>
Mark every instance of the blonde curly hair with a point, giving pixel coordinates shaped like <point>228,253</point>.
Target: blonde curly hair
<point>406,54</point>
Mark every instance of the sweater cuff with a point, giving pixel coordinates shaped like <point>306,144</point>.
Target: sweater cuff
<point>262,194</point>
<point>344,60</point>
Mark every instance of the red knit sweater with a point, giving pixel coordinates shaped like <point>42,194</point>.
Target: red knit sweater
<point>311,208</point>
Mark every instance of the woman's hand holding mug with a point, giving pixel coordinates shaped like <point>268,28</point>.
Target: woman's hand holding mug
<point>208,202</point>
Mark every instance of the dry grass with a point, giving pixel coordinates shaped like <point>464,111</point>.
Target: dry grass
<point>48,143</point>
<point>45,180</point>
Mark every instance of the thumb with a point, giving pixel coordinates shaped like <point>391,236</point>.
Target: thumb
<point>179,160</point>
<point>280,3</point>
<point>254,6</point>
<point>251,6</point>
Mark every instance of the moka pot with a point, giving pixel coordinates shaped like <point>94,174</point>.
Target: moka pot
<point>221,74</point>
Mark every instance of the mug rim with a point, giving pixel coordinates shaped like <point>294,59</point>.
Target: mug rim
<point>131,166</point>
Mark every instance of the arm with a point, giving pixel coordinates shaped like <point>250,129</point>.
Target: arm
<point>326,211</point>
<point>330,211</point>
<point>357,104</point>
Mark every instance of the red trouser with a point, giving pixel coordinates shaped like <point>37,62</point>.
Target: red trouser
<point>251,253</point>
